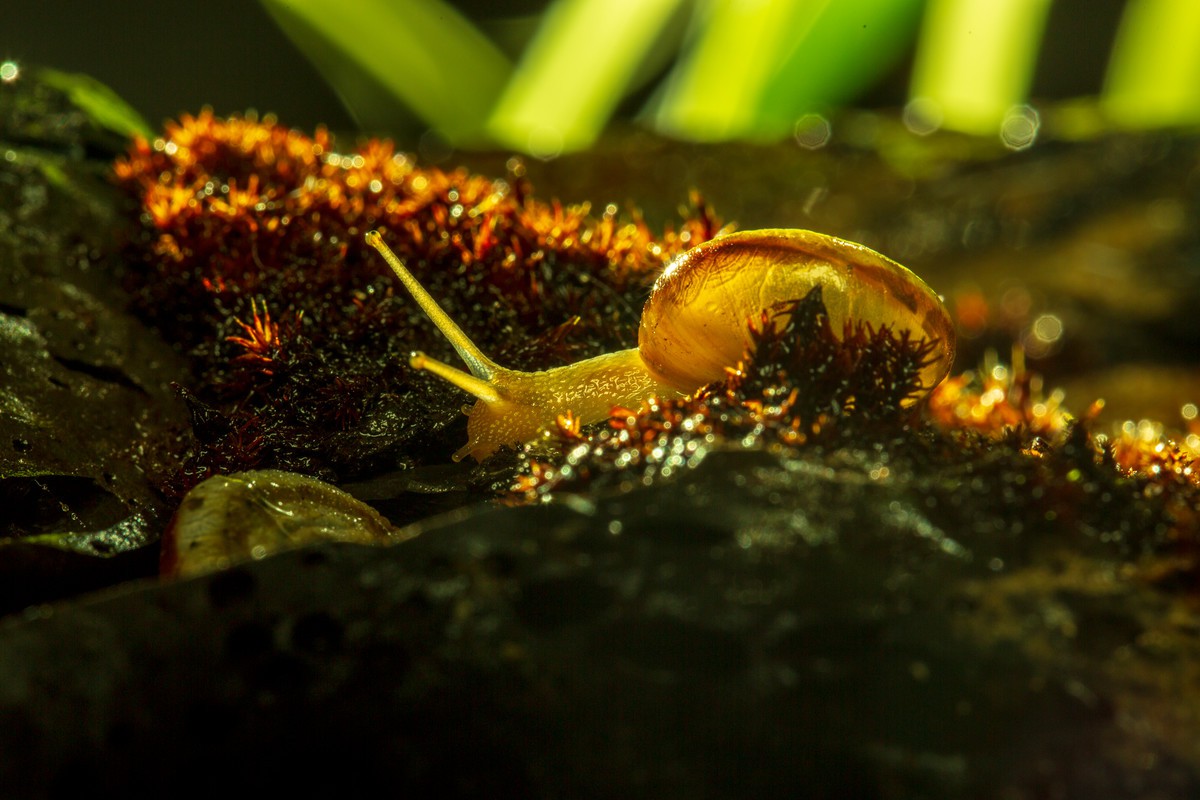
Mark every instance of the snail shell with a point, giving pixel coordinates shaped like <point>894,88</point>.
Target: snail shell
<point>695,322</point>
<point>694,325</point>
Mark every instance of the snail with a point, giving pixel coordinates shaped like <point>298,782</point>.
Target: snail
<point>694,325</point>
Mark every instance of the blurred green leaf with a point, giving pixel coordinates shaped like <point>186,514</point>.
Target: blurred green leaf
<point>737,47</point>
<point>847,47</point>
<point>99,102</point>
<point>975,61</point>
<point>422,53</point>
<point>1154,75</point>
<point>755,68</point>
<point>576,71</point>
<point>752,69</point>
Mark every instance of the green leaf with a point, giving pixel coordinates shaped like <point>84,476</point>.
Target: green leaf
<point>99,102</point>
<point>845,48</point>
<point>1154,75</point>
<point>976,60</point>
<point>714,90</point>
<point>378,54</point>
<point>753,69</point>
<point>578,67</point>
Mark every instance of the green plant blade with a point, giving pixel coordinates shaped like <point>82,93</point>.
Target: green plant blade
<point>713,92</point>
<point>1154,75</point>
<point>100,103</point>
<point>576,70</point>
<point>975,60</point>
<point>755,68</point>
<point>381,53</point>
<point>846,46</point>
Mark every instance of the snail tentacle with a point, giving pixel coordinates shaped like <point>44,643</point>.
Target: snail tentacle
<point>480,365</point>
<point>463,380</point>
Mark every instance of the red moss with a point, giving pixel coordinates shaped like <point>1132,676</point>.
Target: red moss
<point>799,383</point>
<point>803,389</point>
<point>263,340</point>
<point>1000,401</point>
<point>997,398</point>
<point>246,207</point>
<point>1171,473</point>
<point>242,216</point>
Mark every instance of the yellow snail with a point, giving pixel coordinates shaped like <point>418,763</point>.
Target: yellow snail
<point>694,325</point>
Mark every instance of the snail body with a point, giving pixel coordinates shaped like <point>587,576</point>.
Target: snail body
<point>694,325</point>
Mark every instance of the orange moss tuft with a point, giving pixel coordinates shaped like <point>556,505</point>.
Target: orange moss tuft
<point>263,339</point>
<point>1171,472</point>
<point>240,213</point>
<point>800,382</point>
<point>997,398</point>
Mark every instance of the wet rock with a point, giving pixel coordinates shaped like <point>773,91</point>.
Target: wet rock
<point>756,627</point>
<point>87,412</point>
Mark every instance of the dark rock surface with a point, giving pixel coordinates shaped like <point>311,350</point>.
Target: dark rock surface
<point>86,406</point>
<point>756,628</point>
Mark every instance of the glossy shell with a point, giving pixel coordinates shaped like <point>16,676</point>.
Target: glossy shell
<point>695,322</point>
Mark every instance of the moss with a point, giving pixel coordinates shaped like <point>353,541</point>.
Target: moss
<point>988,456</point>
<point>799,383</point>
<point>251,258</point>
